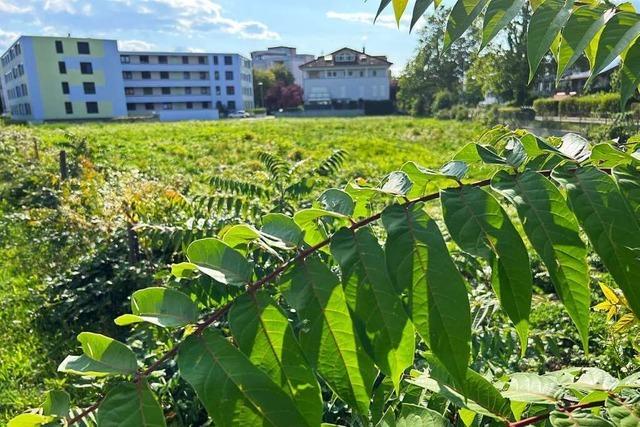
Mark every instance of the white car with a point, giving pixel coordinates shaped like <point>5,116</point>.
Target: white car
<point>241,114</point>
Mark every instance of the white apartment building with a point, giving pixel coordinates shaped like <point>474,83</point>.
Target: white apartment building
<point>346,75</point>
<point>281,55</point>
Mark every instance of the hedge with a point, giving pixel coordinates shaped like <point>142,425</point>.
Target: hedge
<point>599,104</point>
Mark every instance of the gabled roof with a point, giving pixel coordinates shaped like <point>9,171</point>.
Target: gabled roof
<point>361,59</point>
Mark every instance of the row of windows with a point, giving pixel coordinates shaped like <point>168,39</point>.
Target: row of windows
<point>21,109</point>
<point>15,72</point>
<point>82,47</point>
<point>89,88</point>
<point>166,75</point>
<point>247,91</point>
<point>150,106</point>
<point>11,54</point>
<point>85,67</point>
<point>165,59</point>
<point>344,73</point>
<point>205,90</point>
<point>18,91</point>
<point>90,107</point>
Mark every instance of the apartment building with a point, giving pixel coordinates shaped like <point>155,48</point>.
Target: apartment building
<point>345,76</point>
<point>281,55</point>
<point>49,78</point>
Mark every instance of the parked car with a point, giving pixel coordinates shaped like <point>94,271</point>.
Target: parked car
<point>240,114</point>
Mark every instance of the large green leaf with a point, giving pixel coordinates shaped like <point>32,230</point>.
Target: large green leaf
<point>606,155</point>
<point>399,7</point>
<point>419,263</point>
<point>160,306</point>
<point>629,73</point>
<point>30,420</point>
<point>222,263</point>
<point>546,23</point>
<point>617,35</point>
<point>462,15</point>
<point>583,25</point>
<point>57,403</point>
<point>473,152</point>
<point>532,388</point>
<point>628,179</point>
<point>264,334</point>
<point>425,181</point>
<point>609,222</point>
<point>102,356</point>
<point>130,405</point>
<point>283,228</point>
<point>577,419</point>
<point>553,232</point>
<point>382,7</point>
<point>336,200</point>
<point>419,8</point>
<point>623,414</point>
<point>309,221</point>
<point>379,315</point>
<point>329,339</point>
<point>498,15</point>
<point>232,389</point>
<point>417,416</point>
<point>479,225</point>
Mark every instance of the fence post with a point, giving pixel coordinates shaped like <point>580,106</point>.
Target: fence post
<point>133,243</point>
<point>64,169</point>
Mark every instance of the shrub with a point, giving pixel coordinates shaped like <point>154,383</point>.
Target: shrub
<point>443,100</point>
<point>378,108</point>
<point>546,106</point>
<point>597,104</point>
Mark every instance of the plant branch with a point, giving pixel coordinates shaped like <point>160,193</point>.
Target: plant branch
<point>545,416</point>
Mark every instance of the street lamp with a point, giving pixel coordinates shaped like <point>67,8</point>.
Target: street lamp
<point>261,84</point>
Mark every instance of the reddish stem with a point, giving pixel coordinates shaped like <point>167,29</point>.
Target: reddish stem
<point>545,416</point>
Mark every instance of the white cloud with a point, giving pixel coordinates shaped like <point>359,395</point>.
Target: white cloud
<point>386,21</point>
<point>135,45</point>
<point>6,38</point>
<point>67,6</point>
<point>9,7</point>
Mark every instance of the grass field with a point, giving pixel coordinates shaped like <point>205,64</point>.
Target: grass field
<point>173,154</point>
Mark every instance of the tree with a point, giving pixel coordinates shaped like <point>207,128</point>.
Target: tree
<point>283,96</point>
<point>277,87</point>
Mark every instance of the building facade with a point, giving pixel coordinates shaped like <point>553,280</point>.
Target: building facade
<point>346,76</point>
<point>281,55</point>
<point>63,78</point>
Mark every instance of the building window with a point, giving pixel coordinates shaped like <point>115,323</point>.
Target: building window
<point>146,75</point>
<point>185,59</point>
<point>203,75</point>
<point>65,88</point>
<point>189,105</point>
<point>215,60</point>
<point>89,88</point>
<point>59,47</point>
<point>218,90</point>
<point>187,91</point>
<point>228,75</point>
<point>186,75</point>
<point>127,75</point>
<point>374,73</point>
<point>167,106</point>
<point>86,68</point>
<point>205,91</point>
<point>231,105</point>
<point>83,48</point>
<point>125,59</point>
<point>166,91</point>
<point>92,108</point>
<point>62,67</point>
<point>68,107</point>
<point>231,90</point>
<point>228,60</point>
<point>24,90</point>
<point>216,75</point>
<point>27,109</point>
<point>206,105</point>
<point>202,60</point>
<point>148,106</point>
<point>144,59</point>
<point>128,91</point>
<point>147,91</point>
<point>131,107</point>
<point>162,59</point>
<point>164,75</point>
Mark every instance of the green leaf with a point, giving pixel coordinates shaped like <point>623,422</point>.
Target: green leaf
<point>425,181</point>
<point>623,414</point>
<point>577,419</point>
<point>545,24</point>
<point>220,262</point>
<point>583,25</point>
<point>532,388</point>
<point>329,339</point>
<point>472,152</point>
<point>419,8</point>
<point>102,356</point>
<point>30,420</point>
<point>462,15</point>
<point>456,170</point>
<point>362,196</point>
<point>162,307</point>
<point>399,6</point>
<point>553,232</point>
<point>609,222</point>
<point>498,15</point>
<point>57,403</point>
<point>130,405</point>
<point>617,35</point>
<point>516,154</point>
<point>339,201</point>
<point>385,328</point>
<point>309,221</point>
<point>595,379</point>
<point>184,270</point>
<point>282,227</point>
<point>629,73</point>
<point>397,184</point>
<point>232,389</point>
<point>417,416</point>
<point>419,263</point>
<point>606,155</point>
<point>265,335</point>
<point>239,236</point>
<point>381,8</point>
<point>575,147</point>
<point>479,225</point>
<point>628,179</point>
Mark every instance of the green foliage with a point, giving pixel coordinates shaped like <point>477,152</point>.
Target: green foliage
<point>594,105</point>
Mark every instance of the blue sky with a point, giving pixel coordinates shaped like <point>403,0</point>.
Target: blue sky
<point>314,27</point>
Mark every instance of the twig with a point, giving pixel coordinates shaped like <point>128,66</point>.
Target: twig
<point>545,416</point>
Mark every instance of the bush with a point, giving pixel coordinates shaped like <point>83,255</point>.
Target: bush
<point>259,111</point>
<point>443,100</point>
<point>546,106</point>
<point>378,108</point>
<point>595,105</point>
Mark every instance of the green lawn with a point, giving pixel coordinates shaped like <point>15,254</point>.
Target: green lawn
<point>172,154</point>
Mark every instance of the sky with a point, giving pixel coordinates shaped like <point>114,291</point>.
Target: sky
<point>237,26</point>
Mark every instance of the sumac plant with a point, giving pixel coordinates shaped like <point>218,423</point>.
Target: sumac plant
<point>368,311</point>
